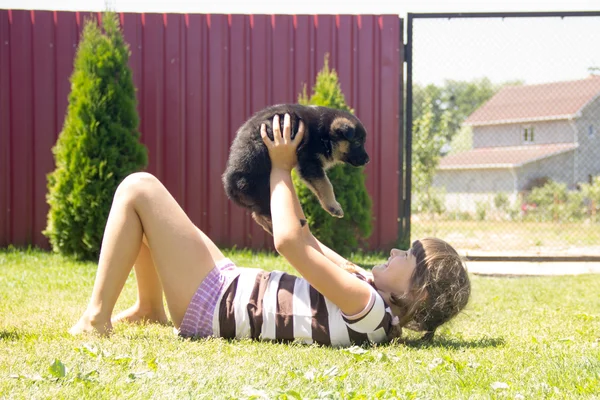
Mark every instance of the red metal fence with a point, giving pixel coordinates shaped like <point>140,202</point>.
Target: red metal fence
<point>198,78</point>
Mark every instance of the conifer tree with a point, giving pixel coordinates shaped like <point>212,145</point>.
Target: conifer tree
<point>99,144</point>
<point>347,234</point>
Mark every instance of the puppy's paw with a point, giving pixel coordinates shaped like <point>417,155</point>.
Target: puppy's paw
<point>335,210</point>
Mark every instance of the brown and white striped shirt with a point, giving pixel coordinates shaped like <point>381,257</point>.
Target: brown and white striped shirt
<point>278,306</point>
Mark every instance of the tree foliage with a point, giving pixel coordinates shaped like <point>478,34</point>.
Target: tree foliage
<point>438,116</point>
<point>99,143</point>
<point>349,233</point>
<point>454,101</point>
<point>428,139</point>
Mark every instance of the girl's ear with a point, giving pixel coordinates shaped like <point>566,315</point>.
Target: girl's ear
<point>406,306</point>
<point>420,295</point>
<point>394,299</point>
<point>401,307</point>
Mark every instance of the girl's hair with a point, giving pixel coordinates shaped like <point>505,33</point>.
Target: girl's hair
<point>440,287</point>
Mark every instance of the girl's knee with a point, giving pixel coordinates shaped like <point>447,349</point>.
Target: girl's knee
<point>137,185</point>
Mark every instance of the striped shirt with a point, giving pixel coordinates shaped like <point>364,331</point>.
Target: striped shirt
<point>278,306</point>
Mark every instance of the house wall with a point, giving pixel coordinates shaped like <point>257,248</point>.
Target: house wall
<point>475,180</point>
<point>464,189</point>
<point>559,168</point>
<point>469,202</point>
<point>587,161</point>
<point>512,134</point>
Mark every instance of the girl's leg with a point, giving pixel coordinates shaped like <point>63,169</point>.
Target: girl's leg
<point>182,254</point>
<point>149,306</point>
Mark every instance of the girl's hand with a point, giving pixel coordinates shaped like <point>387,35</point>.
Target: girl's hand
<point>282,149</point>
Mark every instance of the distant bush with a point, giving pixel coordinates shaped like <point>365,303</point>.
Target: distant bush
<point>501,201</point>
<point>591,192</point>
<point>554,203</point>
<point>481,210</point>
<point>430,202</point>
<point>458,216</point>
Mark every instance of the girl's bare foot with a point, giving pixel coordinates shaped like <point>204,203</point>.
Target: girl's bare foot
<point>138,313</point>
<point>87,324</point>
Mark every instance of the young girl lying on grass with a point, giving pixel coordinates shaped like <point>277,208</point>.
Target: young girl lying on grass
<point>333,303</point>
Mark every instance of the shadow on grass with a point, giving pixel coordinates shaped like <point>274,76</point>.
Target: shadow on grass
<point>453,343</point>
<point>438,342</point>
<point>10,335</point>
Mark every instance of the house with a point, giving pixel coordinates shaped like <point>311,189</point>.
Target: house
<point>522,136</point>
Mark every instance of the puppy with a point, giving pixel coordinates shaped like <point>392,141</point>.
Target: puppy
<point>331,136</point>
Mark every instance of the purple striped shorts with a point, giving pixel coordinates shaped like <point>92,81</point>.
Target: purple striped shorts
<point>198,318</point>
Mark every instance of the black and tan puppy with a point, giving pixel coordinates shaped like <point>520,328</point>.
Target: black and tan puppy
<point>331,136</point>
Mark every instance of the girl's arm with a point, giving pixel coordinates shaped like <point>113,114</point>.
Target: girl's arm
<point>350,294</point>
<point>338,259</point>
<point>326,251</point>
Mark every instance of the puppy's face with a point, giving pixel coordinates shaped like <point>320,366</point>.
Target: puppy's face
<point>348,138</point>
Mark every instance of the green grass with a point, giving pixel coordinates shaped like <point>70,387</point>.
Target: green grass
<point>528,338</point>
<point>500,237</point>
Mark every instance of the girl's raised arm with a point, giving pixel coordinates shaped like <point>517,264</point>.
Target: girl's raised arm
<point>351,295</point>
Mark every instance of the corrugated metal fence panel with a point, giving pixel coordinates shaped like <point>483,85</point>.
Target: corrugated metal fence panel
<point>198,78</point>
<point>5,110</point>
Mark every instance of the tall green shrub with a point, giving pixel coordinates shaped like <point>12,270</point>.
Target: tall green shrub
<point>349,233</point>
<point>99,143</point>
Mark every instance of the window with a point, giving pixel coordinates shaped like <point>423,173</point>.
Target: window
<point>528,134</point>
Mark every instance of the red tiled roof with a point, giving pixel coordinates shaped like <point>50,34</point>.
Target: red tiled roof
<point>503,157</point>
<point>548,101</point>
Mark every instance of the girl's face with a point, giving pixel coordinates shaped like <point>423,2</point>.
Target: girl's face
<point>394,276</point>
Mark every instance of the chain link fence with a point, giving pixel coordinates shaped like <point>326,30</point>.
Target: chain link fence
<point>506,132</point>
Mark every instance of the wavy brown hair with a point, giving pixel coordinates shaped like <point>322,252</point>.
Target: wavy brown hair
<point>440,287</point>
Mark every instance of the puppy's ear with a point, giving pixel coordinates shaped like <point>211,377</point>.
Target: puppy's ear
<point>343,127</point>
<point>348,132</point>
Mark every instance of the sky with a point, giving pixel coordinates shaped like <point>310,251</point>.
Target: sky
<point>532,50</point>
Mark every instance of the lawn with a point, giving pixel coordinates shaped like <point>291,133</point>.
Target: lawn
<point>513,237</point>
<point>520,338</point>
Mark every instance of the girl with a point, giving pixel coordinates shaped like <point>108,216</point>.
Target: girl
<point>333,303</point>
